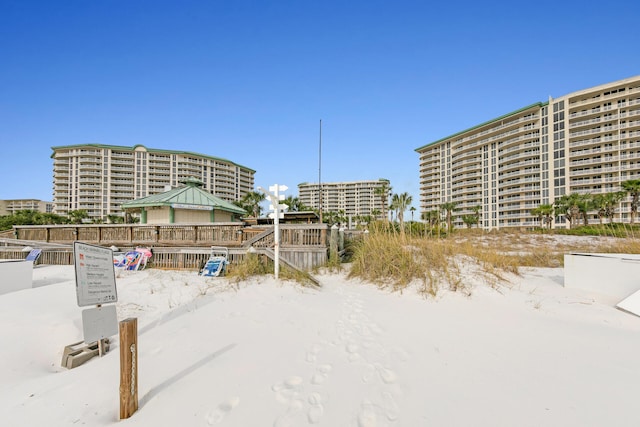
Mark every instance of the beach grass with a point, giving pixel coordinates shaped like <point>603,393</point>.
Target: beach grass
<point>394,260</point>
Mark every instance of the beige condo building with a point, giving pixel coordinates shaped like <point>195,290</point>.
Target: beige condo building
<point>584,142</point>
<point>9,207</point>
<point>99,178</point>
<point>355,198</point>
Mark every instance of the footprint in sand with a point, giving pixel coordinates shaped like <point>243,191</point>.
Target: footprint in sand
<point>222,410</point>
<point>288,391</point>
<point>386,375</point>
<point>367,416</point>
<point>390,406</point>
<point>312,354</point>
<point>321,374</point>
<point>316,410</point>
<point>369,374</point>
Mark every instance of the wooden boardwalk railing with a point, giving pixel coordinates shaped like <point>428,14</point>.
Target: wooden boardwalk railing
<point>184,246</point>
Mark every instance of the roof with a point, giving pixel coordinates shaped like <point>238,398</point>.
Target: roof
<point>190,195</point>
<point>504,116</point>
<point>148,150</point>
<point>293,217</point>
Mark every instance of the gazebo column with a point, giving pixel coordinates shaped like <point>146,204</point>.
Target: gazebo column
<point>172,215</point>
<point>143,216</point>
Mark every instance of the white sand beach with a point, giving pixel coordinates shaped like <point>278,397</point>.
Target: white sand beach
<point>269,353</point>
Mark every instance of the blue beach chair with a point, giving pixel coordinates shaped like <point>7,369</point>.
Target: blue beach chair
<point>216,265</point>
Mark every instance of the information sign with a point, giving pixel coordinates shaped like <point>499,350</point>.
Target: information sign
<point>95,274</point>
<point>99,323</point>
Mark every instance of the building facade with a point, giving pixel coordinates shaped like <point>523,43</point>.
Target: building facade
<point>357,198</point>
<point>9,207</point>
<point>99,178</point>
<point>584,142</point>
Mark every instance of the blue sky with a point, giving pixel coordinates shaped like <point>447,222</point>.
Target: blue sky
<point>249,81</point>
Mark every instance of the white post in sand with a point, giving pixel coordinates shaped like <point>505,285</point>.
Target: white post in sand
<point>275,195</point>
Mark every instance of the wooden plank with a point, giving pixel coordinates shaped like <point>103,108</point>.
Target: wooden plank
<point>128,367</point>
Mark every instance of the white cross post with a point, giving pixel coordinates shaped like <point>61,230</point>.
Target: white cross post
<point>275,195</point>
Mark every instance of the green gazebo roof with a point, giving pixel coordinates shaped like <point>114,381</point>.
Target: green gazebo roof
<point>183,197</point>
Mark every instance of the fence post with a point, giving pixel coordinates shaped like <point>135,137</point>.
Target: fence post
<point>333,243</point>
<point>128,367</point>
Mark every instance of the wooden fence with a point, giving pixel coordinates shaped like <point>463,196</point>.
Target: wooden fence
<point>176,246</point>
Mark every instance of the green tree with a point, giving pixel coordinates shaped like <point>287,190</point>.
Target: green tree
<point>449,208</point>
<point>569,206</point>
<point>612,202</point>
<point>469,220</point>
<point>544,213</point>
<point>605,204</point>
<point>77,216</point>
<point>632,188</point>
<point>115,219</point>
<point>585,204</point>
<point>295,204</point>
<point>400,203</point>
<point>476,213</point>
<point>432,217</point>
<point>251,203</point>
<point>383,192</point>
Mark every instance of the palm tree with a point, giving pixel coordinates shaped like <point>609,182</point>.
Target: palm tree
<point>544,214</point>
<point>585,204</point>
<point>632,188</point>
<point>469,220</point>
<point>605,204</point>
<point>400,202</point>
<point>295,204</point>
<point>78,216</point>
<point>613,200</point>
<point>383,191</point>
<point>448,207</point>
<point>393,206</point>
<point>251,203</point>
<point>476,214</point>
<point>547,212</point>
<point>537,212</point>
<point>568,205</point>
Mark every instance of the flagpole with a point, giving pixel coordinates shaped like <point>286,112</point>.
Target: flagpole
<point>320,172</point>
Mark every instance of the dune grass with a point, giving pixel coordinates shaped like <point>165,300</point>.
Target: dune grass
<point>254,265</point>
<point>397,260</point>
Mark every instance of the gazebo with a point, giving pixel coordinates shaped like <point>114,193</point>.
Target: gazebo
<point>186,204</point>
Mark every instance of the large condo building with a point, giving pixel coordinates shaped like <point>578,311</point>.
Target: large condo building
<point>9,207</point>
<point>99,178</point>
<point>357,198</point>
<point>584,142</point>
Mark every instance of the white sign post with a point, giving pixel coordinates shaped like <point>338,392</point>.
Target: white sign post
<point>96,285</point>
<point>275,195</point>
<point>95,275</point>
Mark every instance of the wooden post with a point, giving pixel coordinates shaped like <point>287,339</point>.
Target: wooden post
<point>333,243</point>
<point>128,367</point>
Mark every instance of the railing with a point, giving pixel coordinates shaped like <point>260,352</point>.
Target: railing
<point>227,234</point>
<point>174,246</point>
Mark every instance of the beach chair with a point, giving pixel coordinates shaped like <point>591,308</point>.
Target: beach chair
<point>216,265</point>
<point>34,256</point>
<point>128,261</point>
<point>145,255</point>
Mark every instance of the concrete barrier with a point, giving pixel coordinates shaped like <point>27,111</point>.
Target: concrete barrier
<point>16,275</point>
<point>615,275</point>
